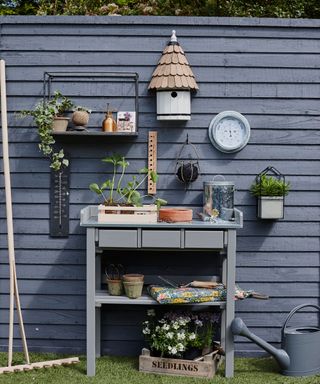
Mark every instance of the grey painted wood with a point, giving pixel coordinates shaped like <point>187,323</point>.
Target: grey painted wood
<point>163,239</point>
<point>91,310</point>
<point>200,239</point>
<point>267,69</point>
<point>229,314</point>
<point>113,238</point>
<point>224,240</point>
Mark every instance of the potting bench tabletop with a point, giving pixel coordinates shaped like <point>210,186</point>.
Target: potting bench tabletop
<point>196,235</point>
<point>89,218</point>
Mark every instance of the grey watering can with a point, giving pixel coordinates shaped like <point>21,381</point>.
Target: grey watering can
<point>300,353</point>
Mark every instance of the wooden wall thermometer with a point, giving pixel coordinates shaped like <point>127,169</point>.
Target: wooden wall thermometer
<point>152,161</point>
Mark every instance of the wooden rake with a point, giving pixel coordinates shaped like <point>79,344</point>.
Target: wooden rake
<point>14,292</point>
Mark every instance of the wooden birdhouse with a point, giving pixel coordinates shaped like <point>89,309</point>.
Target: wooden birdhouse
<point>173,80</point>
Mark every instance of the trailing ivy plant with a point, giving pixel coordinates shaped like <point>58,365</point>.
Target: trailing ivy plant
<point>114,193</point>
<point>270,186</point>
<point>43,115</point>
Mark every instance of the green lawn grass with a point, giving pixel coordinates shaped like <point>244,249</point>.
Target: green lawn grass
<point>122,370</point>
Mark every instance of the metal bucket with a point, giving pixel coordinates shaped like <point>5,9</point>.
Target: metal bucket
<point>302,345</point>
<point>218,198</point>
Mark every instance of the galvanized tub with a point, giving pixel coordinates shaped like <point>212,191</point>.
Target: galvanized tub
<point>218,198</point>
<point>302,345</point>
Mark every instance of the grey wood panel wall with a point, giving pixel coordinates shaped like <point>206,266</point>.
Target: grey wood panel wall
<point>264,68</point>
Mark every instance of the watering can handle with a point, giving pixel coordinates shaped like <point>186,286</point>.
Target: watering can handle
<point>296,309</point>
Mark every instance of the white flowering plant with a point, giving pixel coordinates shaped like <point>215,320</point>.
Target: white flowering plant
<point>175,333</point>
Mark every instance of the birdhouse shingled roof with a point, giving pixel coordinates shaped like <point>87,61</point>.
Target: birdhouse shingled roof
<point>173,70</point>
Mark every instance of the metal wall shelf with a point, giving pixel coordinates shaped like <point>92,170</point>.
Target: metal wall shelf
<point>89,133</point>
<point>49,77</point>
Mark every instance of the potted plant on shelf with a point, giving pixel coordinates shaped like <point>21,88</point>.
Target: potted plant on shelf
<point>270,191</point>
<point>125,200</point>
<point>46,115</point>
<point>80,117</point>
<point>60,105</point>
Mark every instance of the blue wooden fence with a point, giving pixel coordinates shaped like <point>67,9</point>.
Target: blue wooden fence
<point>266,69</point>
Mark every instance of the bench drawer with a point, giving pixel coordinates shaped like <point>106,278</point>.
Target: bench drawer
<point>115,238</point>
<point>204,239</point>
<point>161,239</point>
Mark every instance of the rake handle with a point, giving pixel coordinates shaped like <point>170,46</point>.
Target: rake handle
<point>14,293</point>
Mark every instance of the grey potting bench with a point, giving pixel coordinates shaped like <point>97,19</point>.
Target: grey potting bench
<point>196,235</point>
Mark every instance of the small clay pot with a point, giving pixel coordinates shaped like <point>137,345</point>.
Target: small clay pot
<point>133,289</point>
<point>60,123</point>
<point>174,215</point>
<point>132,277</point>
<point>115,287</point>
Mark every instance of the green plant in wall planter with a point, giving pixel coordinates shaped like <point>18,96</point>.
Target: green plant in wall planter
<point>270,191</point>
<point>46,114</point>
<point>114,193</point>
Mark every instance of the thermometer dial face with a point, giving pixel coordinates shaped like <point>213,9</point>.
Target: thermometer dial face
<point>229,131</point>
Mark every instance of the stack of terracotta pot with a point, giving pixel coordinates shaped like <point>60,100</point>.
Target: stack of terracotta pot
<point>133,284</point>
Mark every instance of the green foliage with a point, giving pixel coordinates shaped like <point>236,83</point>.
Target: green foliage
<point>81,109</point>
<point>270,186</point>
<point>20,7</point>
<point>129,193</point>
<point>264,8</point>
<point>43,115</point>
<point>174,333</point>
<point>245,8</point>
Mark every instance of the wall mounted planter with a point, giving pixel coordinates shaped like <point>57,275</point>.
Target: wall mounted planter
<point>270,189</point>
<point>270,207</point>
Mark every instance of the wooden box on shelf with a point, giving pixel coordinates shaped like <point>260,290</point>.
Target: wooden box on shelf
<point>204,366</point>
<point>147,214</point>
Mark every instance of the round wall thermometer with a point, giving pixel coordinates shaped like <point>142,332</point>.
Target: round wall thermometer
<point>229,131</point>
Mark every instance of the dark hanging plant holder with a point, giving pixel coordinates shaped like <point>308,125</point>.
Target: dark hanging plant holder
<point>187,171</point>
<point>270,207</point>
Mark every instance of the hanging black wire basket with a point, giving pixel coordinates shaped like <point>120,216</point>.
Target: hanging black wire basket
<point>187,171</point>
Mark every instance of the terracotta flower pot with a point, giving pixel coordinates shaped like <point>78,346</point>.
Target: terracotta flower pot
<point>115,287</point>
<point>133,277</point>
<point>173,215</point>
<point>60,123</point>
<point>133,289</point>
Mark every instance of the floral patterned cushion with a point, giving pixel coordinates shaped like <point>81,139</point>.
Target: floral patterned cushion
<point>168,295</point>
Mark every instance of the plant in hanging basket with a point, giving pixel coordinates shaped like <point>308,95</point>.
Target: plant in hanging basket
<point>46,114</point>
<point>125,200</point>
<point>270,191</point>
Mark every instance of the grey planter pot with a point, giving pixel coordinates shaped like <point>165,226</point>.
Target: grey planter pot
<point>270,207</point>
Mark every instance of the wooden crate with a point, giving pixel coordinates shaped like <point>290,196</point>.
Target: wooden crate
<point>147,214</point>
<point>205,366</point>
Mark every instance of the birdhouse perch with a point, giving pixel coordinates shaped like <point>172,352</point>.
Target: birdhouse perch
<point>173,80</point>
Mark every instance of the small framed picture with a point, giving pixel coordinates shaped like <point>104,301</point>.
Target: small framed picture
<point>126,121</point>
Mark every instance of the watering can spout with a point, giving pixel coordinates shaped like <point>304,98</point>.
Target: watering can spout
<point>239,328</point>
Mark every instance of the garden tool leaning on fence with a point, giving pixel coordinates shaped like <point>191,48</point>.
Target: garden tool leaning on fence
<point>14,292</point>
